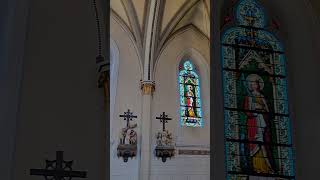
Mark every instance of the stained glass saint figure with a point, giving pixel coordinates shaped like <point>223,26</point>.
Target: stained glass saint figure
<point>258,142</point>
<point>258,130</point>
<point>190,102</point>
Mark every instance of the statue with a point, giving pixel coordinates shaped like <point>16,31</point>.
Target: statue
<point>128,138</point>
<point>164,140</point>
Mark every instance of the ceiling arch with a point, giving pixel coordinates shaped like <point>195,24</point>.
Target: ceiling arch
<point>171,20</point>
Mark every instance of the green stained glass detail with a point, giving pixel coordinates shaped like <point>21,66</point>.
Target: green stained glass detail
<point>258,140</point>
<point>190,100</point>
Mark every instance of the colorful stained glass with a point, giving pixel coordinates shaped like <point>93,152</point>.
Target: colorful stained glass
<point>257,123</point>
<point>190,101</point>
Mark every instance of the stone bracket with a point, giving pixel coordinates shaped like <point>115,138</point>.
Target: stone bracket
<point>164,152</point>
<point>126,151</point>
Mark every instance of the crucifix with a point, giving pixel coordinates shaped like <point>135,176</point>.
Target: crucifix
<point>58,169</point>
<point>127,116</point>
<point>128,142</point>
<point>163,119</point>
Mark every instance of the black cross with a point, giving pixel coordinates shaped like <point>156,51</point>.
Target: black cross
<point>58,169</point>
<point>128,116</point>
<point>164,119</point>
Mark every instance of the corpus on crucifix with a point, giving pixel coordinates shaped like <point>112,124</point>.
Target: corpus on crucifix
<point>164,148</point>
<point>127,116</point>
<point>163,119</point>
<point>128,137</point>
<point>58,169</point>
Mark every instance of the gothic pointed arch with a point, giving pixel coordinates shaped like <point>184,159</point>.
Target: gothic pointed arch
<point>192,72</point>
<point>258,142</point>
<point>114,70</point>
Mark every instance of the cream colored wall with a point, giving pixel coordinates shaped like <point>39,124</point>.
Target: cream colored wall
<point>128,96</point>
<point>194,45</point>
<point>188,43</point>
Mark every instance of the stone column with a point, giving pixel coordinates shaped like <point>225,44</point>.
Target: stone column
<point>147,88</point>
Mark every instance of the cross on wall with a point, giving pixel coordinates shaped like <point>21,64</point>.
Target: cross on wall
<point>58,169</point>
<point>163,119</point>
<point>127,116</point>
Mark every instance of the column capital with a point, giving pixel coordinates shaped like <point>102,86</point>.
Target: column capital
<point>147,87</point>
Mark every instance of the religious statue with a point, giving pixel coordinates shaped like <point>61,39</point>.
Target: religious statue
<point>164,140</point>
<point>128,138</point>
<point>128,135</point>
<point>258,126</point>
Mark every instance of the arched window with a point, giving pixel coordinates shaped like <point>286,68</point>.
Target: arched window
<point>257,124</point>
<point>190,100</point>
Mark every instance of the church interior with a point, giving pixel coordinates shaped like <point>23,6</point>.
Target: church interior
<point>159,89</point>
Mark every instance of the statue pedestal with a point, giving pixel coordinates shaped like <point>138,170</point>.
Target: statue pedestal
<point>164,152</point>
<point>126,151</point>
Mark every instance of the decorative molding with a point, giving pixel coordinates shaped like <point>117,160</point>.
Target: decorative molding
<point>164,152</point>
<point>193,152</point>
<point>202,146</point>
<point>126,151</point>
<point>147,87</point>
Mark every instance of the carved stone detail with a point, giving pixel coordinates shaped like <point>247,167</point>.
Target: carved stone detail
<point>128,138</point>
<point>165,152</point>
<point>164,145</point>
<point>164,138</point>
<point>147,87</point>
<point>126,151</point>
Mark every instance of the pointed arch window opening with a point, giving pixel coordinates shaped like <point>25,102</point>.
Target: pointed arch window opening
<point>258,142</point>
<point>190,98</point>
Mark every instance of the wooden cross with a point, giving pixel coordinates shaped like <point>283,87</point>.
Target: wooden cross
<point>164,119</point>
<point>58,169</point>
<point>127,116</point>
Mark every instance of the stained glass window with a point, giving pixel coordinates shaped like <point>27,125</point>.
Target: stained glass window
<point>258,141</point>
<point>190,101</point>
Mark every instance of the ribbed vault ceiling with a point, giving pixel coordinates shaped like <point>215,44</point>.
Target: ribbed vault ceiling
<point>176,14</point>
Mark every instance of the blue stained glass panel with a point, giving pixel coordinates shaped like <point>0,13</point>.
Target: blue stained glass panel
<point>257,128</point>
<point>190,99</point>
